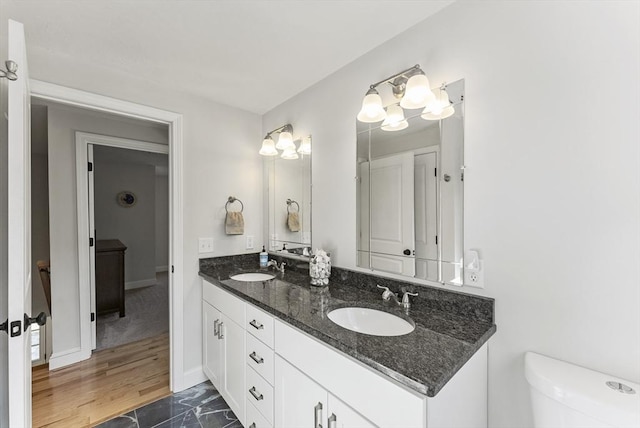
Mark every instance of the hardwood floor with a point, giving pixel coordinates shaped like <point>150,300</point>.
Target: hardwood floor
<point>112,382</point>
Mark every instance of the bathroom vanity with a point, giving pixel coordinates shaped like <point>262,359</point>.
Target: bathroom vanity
<point>279,361</point>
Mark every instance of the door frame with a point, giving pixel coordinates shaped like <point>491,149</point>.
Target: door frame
<point>85,208</point>
<point>74,97</point>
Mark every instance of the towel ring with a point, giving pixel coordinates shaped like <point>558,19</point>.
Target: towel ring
<point>231,200</point>
<point>291,201</point>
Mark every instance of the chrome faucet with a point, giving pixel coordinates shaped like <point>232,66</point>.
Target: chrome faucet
<point>390,295</point>
<point>274,263</point>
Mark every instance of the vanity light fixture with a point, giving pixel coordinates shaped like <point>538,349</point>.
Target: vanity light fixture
<point>285,141</point>
<point>285,144</point>
<point>411,87</point>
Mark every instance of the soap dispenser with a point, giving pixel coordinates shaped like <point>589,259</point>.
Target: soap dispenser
<point>264,257</point>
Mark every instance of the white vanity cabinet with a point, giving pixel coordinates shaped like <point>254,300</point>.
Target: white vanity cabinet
<point>274,375</point>
<point>224,345</point>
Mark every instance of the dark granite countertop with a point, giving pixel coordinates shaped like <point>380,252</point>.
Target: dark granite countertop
<point>450,326</point>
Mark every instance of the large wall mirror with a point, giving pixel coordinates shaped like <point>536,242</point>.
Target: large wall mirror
<point>289,203</point>
<point>410,195</point>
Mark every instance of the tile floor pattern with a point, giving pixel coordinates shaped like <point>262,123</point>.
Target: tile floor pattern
<point>201,406</point>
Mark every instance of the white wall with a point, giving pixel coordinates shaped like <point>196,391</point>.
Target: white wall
<point>551,188</point>
<point>162,221</point>
<point>134,226</point>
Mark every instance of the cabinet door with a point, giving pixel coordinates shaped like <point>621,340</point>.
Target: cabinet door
<point>234,363</point>
<point>342,416</point>
<point>299,401</point>
<point>212,345</point>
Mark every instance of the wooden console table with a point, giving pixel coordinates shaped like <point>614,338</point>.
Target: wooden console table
<point>110,276</point>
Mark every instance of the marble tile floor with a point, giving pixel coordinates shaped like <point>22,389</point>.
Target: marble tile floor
<point>201,406</point>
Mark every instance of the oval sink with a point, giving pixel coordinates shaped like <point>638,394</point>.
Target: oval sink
<point>371,321</point>
<point>253,276</point>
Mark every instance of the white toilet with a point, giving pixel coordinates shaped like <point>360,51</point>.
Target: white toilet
<point>568,396</point>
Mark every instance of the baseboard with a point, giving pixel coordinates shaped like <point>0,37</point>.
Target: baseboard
<point>139,284</point>
<point>66,358</point>
<point>162,268</point>
<point>192,378</point>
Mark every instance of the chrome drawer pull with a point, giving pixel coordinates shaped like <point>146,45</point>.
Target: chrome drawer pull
<point>317,415</point>
<point>253,425</point>
<point>256,394</point>
<point>215,327</point>
<point>255,324</point>
<point>220,335</point>
<point>256,358</point>
<point>333,421</point>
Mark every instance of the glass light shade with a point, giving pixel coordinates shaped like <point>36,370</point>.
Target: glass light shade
<point>440,108</point>
<point>285,140</point>
<point>417,93</point>
<point>395,120</point>
<point>371,110</point>
<point>289,153</point>
<point>268,147</point>
<point>305,146</point>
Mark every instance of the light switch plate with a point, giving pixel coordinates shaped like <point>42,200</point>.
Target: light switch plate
<point>249,245</point>
<point>205,245</point>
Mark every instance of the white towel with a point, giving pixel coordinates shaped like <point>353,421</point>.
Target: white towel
<point>293,222</point>
<point>234,223</point>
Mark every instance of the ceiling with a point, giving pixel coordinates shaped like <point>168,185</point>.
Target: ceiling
<point>253,55</point>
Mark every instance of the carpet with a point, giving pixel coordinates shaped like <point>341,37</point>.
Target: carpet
<point>146,315</point>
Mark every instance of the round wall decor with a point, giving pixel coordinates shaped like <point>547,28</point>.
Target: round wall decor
<point>126,198</point>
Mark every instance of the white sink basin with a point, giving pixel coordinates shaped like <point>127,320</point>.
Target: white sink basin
<point>371,321</point>
<point>253,276</point>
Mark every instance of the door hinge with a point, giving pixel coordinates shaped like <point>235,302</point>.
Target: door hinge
<point>91,242</point>
<point>171,268</point>
<point>90,166</point>
<point>435,172</point>
<point>436,239</point>
<point>462,176</point>
<point>93,316</point>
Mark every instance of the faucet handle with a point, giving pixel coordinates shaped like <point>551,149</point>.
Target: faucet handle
<point>386,294</point>
<point>405,297</point>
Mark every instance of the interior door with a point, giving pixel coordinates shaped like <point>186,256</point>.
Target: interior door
<point>392,214</point>
<point>19,233</point>
<point>425,215</point>
<point>92,244</point>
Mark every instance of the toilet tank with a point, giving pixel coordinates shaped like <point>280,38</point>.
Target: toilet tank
<point>567,396</point>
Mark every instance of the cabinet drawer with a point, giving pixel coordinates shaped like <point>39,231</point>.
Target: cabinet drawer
<point>260,325</point>
<point>225,302</point>
<point>254,417</point>
<point>260,394</point>
<point>260,358</point>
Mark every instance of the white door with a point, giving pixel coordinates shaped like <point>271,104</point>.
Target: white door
<point>392,214</point>
<point>212,345</point>
<point>299,401</point>
<point>233,370</point>
<point>19,232</point>
<point>425,216</point>
<point>92,244</point>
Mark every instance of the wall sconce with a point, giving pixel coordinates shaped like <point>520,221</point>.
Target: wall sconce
<point>411,86</point>
<point>285,144</point>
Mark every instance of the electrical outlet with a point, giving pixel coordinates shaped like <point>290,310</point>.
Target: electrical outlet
<point>249,245</point>
<point>474,278</point>
<point>205,245</point>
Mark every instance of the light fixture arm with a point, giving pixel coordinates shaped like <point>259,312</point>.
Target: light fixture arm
<point>283,128</point>
<point>395,76</point>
